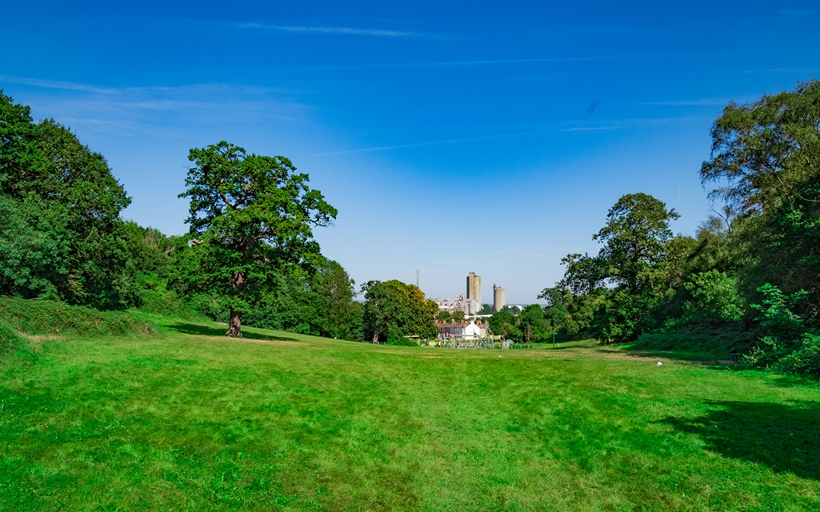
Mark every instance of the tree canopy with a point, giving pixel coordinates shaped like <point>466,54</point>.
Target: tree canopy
<point>63,237</point>
<point>394,309</point>
<point>250,216</point>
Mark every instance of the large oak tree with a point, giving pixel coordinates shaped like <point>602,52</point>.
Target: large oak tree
<point>250,215</point>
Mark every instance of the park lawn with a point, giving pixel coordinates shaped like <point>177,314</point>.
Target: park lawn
<point>189,420</point>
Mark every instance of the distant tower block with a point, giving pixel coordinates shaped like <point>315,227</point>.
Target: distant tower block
<point>499,298</point>
<point>474,287</point>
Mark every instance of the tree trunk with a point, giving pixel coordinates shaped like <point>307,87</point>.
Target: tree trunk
<point>376,335</point>
<point>235,325</point>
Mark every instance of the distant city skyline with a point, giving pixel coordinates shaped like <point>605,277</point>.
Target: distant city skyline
<point>489,137</point>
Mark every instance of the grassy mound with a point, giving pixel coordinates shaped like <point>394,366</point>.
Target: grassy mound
<point>45,317</point>
<point>8,338</point>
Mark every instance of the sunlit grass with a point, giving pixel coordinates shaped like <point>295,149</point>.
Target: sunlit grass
<point>192,420</point>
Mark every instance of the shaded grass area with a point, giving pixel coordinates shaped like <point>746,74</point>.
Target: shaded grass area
<point>192,422</point>
<point>210,330</point>
<point>713,340</point>
<point>780,436</point>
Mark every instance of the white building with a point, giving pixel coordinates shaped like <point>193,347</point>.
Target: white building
<point>462,330</point>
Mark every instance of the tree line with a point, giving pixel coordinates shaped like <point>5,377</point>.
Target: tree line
<point>748,280</point>
<point>249,255</point>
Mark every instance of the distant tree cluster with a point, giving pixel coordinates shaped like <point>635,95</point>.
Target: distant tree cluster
<point>394,310</point>
<point>525,325</point>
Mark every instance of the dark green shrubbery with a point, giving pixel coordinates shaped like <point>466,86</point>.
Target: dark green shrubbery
<point>719,340</point>
<point>805,359</point>
<point>788,345</point>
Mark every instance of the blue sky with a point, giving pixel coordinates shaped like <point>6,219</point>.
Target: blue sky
<point>452,136</point>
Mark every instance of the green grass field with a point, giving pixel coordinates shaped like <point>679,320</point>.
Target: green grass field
<point>189,420</point>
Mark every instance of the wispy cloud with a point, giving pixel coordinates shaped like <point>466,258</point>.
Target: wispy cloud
<point>52,84</point>
<point>496,62</point>
<point>329,30</point>
<point>592,128</point>
<point>689,103</point>
<point>544,129</point>
<point>779,70</point>
<point>797,12</point>
<point>417,144</point>
<point>171,111</point>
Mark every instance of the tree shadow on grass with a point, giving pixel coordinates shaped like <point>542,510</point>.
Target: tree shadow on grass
<point>782,437</point>
<point>792,381</point>
<point>204,330</point>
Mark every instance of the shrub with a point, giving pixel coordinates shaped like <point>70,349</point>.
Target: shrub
<point>805,360</point>
<point>395,338</point>
<point>714,294</point>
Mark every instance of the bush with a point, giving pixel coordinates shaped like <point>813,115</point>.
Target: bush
<point>40,317</point>
<point>714,294</point>
<point>394,338</point>
<point>155,297</point>
<point>805,360</point>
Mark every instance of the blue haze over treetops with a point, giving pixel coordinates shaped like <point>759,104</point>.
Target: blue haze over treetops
<point>486,137</point>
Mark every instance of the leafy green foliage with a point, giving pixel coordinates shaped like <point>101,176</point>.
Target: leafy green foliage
<point>64,238</point>
<point>444,316</point>
<point>778,317</point>
<point>613,294</point>
<point>253,215</point>
<point>714,293</point>
<point>803,360</point>
<point>766,160</point>
<point>787,342</point>
<point>35,248</point>
<point>533,324</point>
<point>320,303</point>
<point>393,310</point>
<point>19,156</point>
<point>505,324</point>
<point>571,315</point>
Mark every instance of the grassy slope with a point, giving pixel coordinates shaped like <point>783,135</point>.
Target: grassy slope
<point>190,420</point>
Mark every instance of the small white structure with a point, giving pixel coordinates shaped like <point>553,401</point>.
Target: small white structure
<point>461,330</point>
